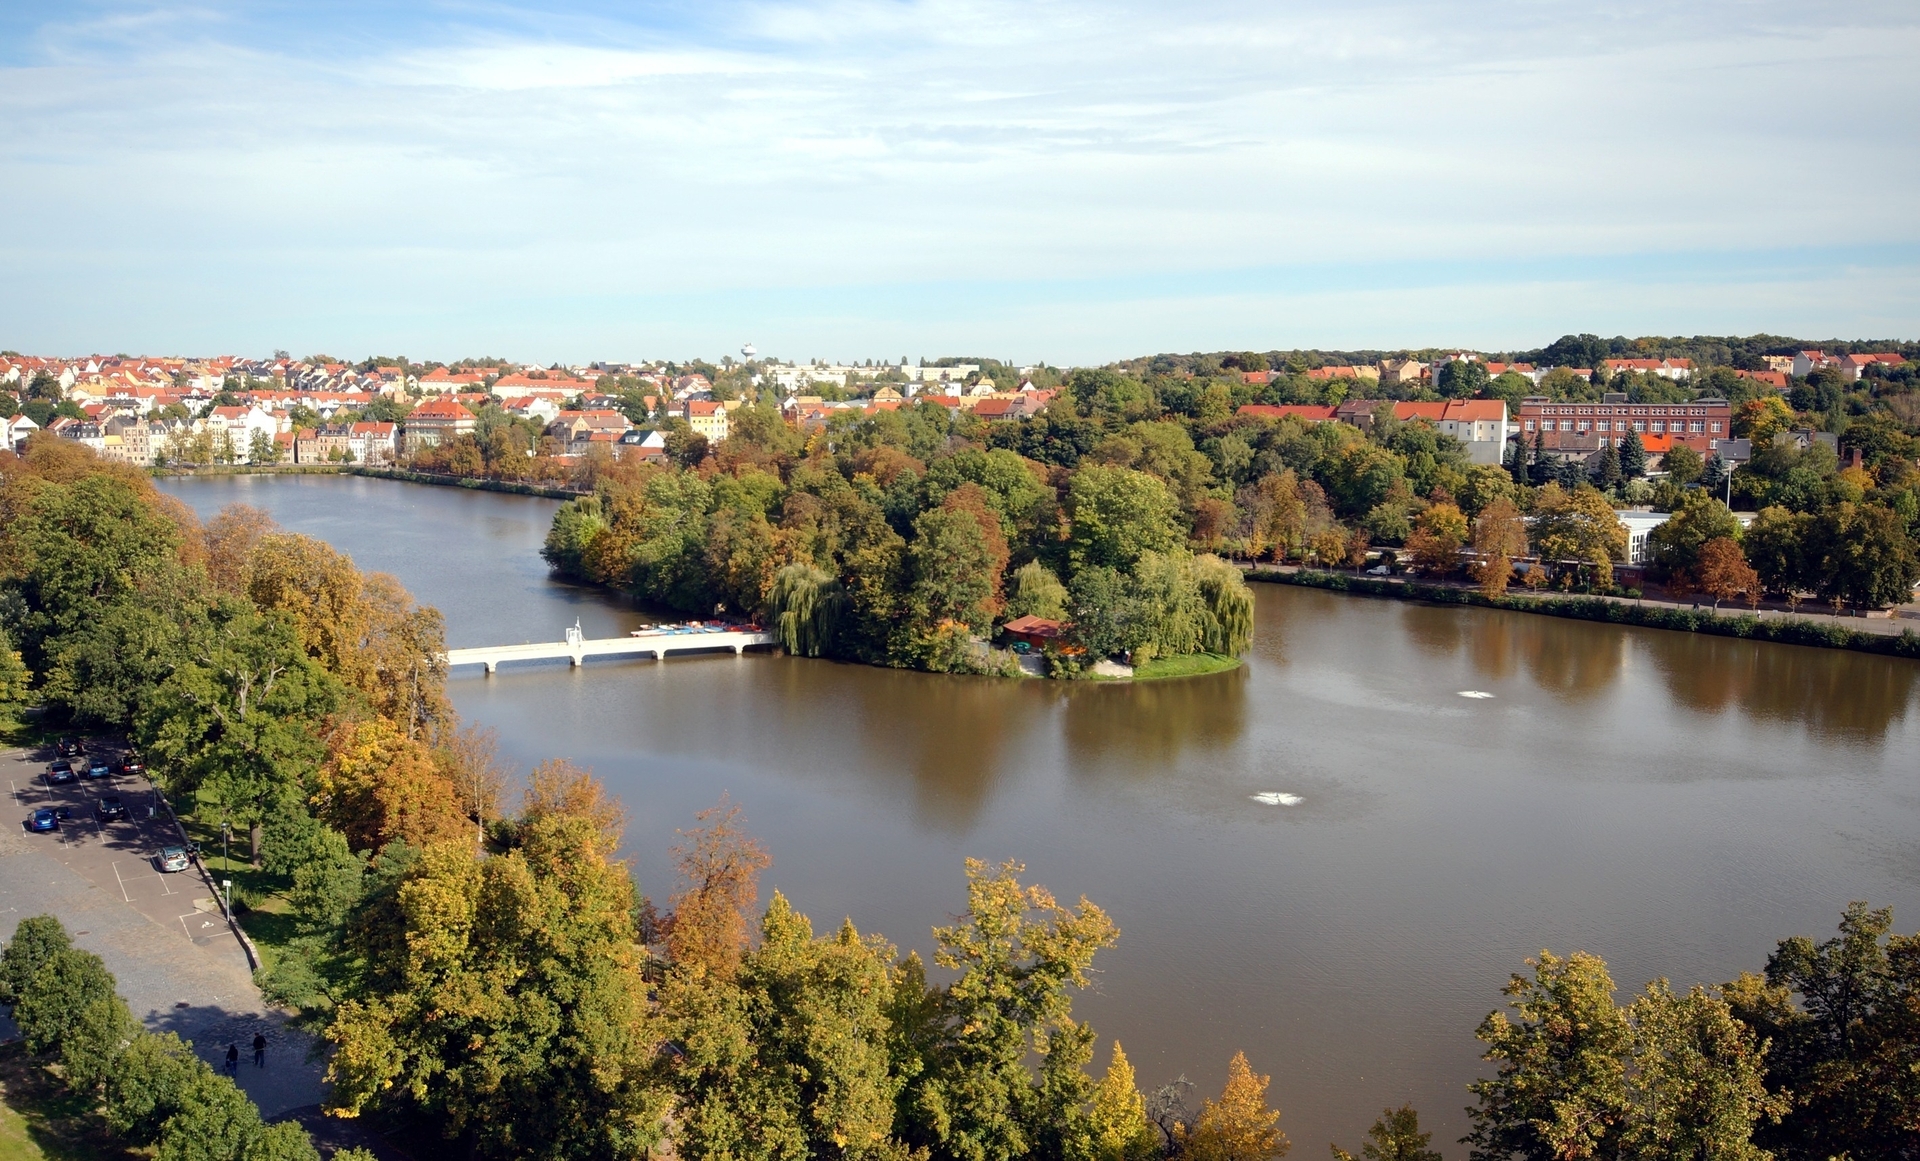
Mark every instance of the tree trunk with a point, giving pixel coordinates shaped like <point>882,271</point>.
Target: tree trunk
<point>253,843</point>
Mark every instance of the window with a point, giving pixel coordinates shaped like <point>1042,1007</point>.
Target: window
<point>1659,427</point>
<point>1583,426</point>
<point>1694,426</point>
<point>1714,427</point>
<point>1529,425</point>
<point>1639,425</point>
<point>1566,425</point>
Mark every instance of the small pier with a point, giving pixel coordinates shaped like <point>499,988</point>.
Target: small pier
<point>578,647</point>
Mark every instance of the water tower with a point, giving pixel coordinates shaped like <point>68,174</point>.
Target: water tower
<point>747,352</point>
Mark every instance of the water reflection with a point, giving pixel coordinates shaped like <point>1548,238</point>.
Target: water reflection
<point>1574,660</point>
<point>1839,694</point>
<point>1142,730</point>
<point>953,735</point>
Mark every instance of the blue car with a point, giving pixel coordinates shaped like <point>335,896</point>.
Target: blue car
<point>60,773</point>
<point>43,819</point>
<point>98,768</point>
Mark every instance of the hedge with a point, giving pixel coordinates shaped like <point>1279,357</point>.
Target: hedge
<point>1781,630</point>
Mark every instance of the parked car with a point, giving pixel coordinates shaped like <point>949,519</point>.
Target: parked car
<point>132,765</point>
<point>43,819</point>
<point>111,807</point>
<point>68,748</point>
<point>61,773</point>
<point>1380,570</point>
<point>172,858</point>
<point>98,768</point>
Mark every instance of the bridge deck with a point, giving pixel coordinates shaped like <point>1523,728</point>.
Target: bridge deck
<point>577,648</point>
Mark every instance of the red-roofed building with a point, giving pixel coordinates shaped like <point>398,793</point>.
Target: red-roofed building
<point>1775,379</point>
<point>1585,428</point>
<point>707,417</point>
<point>1854,366</point>
<point>435,422</point>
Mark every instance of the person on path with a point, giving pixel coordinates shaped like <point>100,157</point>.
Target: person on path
<point>233,1059</point>
<point>259,1050</point>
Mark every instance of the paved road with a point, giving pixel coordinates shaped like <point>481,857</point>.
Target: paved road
<point>179,967</point>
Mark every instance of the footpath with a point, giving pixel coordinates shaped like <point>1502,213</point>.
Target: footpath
<point>1806,625</point>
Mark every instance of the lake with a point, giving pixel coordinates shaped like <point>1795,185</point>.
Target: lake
<point>1673,803</point>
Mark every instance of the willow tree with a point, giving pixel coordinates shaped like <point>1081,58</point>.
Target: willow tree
<point>805,609</point>
<point>1228,626</point>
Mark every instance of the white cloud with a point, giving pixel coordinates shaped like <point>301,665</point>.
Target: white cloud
<point>828,147</point>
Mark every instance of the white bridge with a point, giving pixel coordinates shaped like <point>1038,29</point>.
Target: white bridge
<point>577,647</point>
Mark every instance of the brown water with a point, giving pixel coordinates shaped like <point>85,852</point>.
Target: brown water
<point>1673,803</point>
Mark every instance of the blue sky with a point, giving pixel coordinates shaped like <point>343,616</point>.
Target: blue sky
<point>1040,179</point>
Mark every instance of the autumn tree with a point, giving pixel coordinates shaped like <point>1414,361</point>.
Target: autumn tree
<point>1279,515</point>
<point>1577,528</point>
<point>1117,1128</point>
<point>1395,1136</point>
<point>1439,532</point>
<point>378,786</point>
<point>1239,1126</point>
<point>1723,573</point>
<point>470,760</point>
<point>559,788</point>
<point>511,1010</point>
<point>1499,535</point>
<point>719,868</point>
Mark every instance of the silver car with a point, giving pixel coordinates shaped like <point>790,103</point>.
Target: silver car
<point>173,859</point>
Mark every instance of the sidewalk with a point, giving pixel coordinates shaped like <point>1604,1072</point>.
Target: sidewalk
<point>1888,626</point>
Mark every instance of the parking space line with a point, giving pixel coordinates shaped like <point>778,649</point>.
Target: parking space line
<point>122,882</point>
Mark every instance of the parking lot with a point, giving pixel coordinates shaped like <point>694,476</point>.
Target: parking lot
<point>161,934</point>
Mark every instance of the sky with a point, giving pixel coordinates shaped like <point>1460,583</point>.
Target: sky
<point>1054,180</point>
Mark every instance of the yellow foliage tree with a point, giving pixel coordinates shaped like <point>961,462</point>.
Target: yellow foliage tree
<point>1117,1116</point>
<point>1239,1126</point>
<point>1499,535</point>
<point>378,785</point>
<point>558,787</point>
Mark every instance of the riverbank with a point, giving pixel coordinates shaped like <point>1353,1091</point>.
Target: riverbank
<point>188,471</point>
<point>472,484</point>
<point>1783,630</point>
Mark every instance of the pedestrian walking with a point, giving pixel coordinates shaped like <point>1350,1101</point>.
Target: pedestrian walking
<point>259,1050</point>
<point>233,1059</point>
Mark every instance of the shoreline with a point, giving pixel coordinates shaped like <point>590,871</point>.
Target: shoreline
<point>398,475</point>
<point>1785,630</point>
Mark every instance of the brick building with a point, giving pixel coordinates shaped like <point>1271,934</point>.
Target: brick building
<point>1585,428</point>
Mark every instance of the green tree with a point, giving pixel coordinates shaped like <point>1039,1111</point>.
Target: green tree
<point>15,678</point>
<point>149,1083</point>
<point>574,527</point>
<point>804,607</point>
<point>1560,1090</point>
<point>1675,545</point>
<point>1036,592</point>
<point>1463,378</point>
<point>1683,465</point>
<point>36,940</point>
<point>1864,555</point>
<point>214,1121</point>
<point>1633,456</point>
<point>1108,615</point>
<point>1775,544</point>
<point>1578,529</point>
<point>1396,1136</point>
<point>1848,1050</point>
<point>1696,1087</point>
<point>789,1058</point>
<point>1017,952</point>
<point>957,558</point>
<point>1117,515</point>
<point>69,1005</point>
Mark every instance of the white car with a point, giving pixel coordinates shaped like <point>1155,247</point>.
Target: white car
<point>1380,570</point>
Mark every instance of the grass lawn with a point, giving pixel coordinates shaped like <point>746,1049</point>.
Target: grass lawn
<point>258,897</point>
<point>1185,665</point>
<point>40,1120</point>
